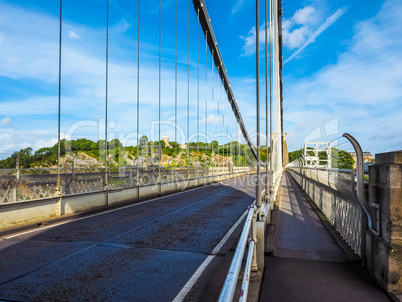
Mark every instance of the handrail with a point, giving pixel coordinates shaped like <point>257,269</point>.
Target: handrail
<point>359,191</point>
<point>247,270</point>
<point>229,286</point>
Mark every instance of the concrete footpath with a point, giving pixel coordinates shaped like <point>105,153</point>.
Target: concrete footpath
<point>307,263</point>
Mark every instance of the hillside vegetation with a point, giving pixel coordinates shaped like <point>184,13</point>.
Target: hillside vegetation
<point>87,153</point>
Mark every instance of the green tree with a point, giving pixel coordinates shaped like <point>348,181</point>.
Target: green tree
<point>295,155</point>
<point>143,141</point>
<point>342,159</point>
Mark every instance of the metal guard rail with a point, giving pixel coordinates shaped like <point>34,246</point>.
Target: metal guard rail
<point>229,286</point>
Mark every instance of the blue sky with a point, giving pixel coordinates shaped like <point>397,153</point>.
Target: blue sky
<point>342,71</point>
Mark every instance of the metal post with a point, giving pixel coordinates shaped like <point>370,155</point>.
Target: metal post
<point>17,176</point>
<point>72,167</point>
<point>253,235</point>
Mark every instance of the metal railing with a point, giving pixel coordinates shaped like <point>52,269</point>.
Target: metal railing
<point>253,234</point>
<point>18,185</point>
<point>331,191</point>
<point>340,195</point>
<point>229,286</point>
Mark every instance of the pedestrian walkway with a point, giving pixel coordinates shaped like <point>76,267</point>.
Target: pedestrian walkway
<point>307,263</point>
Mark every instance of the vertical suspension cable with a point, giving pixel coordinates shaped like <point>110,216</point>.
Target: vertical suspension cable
<point>198,84</point>
<point>59,104</point>
<point>227,134</point>
<point>257,37</point>
<point>212,98</point>
<point>270,90</point>
<point>138,76</point>
<point>231,130</point>
<point>175,90</point>
<point>107,78</point>
<point>239,143</point>
<point>206,94</point>
<point>160,89</point>
<point>138,85</point>
<point>219,121</point>
<point>188,87</point>
<point>230,134</point>
<point>266,98</point>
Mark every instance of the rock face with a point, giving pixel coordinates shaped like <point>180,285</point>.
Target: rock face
<point>384,252</point>
<point>197,159</point>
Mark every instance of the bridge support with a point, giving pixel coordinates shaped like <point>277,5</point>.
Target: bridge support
<point>384,252</point>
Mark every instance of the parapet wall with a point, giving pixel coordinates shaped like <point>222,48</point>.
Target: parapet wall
<point>18,213</point>
<point>384,252</point>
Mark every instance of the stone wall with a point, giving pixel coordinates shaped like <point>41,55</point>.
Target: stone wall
<point>384,252</point>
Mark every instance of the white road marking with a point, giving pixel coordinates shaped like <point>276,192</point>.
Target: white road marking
<point>228,234</point>
<point>194,278</point>
<point>190,283</point>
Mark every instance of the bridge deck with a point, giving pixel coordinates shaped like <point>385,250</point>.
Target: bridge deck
<point>307,263</point>
<point>142,251</point>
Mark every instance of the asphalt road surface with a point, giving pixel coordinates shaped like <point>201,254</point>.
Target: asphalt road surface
<point>154,250</point>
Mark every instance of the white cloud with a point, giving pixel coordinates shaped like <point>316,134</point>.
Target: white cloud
<point>331,20</point>
<point>120,27</point>
<point>296,30</point>
<point>237,6</point>
<point>365,96</point>
<point>73,35</point>
<point>212,119</point>
<point>304,15</point>
<point>249,40</point>
<point>297,37</point>
<point>5,121</point>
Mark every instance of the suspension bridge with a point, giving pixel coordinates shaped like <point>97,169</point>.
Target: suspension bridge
<point>198,208</point>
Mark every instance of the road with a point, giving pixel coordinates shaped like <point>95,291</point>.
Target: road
<point>149,251</point>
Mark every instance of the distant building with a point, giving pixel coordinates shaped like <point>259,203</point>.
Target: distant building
<point>166,140</point>
<point>367,158</point>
